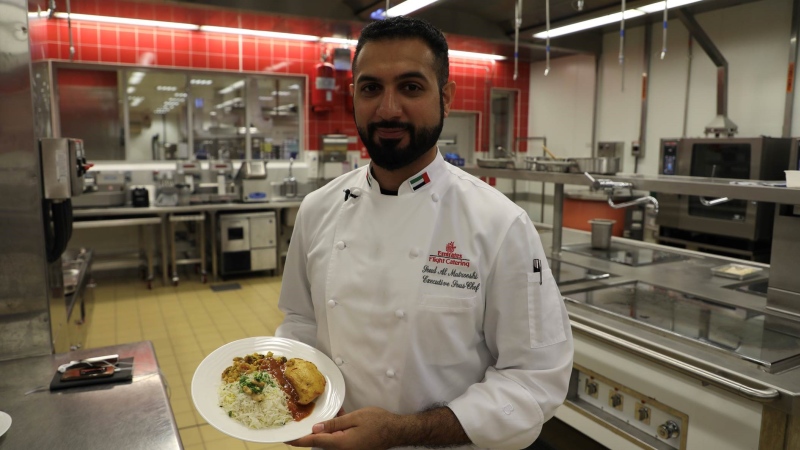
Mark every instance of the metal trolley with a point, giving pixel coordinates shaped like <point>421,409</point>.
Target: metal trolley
<point>200,240</point>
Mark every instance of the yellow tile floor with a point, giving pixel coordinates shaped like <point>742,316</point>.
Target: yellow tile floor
<point>185,323</point>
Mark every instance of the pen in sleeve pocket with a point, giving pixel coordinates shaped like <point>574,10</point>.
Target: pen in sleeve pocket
<point>537,268</point>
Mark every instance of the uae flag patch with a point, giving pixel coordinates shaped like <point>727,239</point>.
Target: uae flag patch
<point>418,182</point>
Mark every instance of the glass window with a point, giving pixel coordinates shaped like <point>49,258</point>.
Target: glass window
<point>157,116</point>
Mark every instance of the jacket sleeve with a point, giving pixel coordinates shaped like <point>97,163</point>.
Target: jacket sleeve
<point>527,329</point>
<point>299,322</point>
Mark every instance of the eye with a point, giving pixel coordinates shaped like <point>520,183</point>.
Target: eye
<point>412,87</point>
<point>370,88</point>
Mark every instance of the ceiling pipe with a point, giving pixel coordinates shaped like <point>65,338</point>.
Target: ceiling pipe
<point>721,125</point>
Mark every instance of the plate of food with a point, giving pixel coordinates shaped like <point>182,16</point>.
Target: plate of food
<point>5,423</point>
<point>267,389</point>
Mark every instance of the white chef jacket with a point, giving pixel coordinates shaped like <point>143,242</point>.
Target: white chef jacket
<point>430,296</point>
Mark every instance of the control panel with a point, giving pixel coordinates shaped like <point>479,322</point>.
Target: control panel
<point>643,418</point>
<point>669,157</point>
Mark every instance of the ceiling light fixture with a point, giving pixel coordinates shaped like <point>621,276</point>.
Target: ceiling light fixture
<point>473,55</point>
<point>335,40</point>
<point>135,78</point>
<point>612,18</point>
<point>259,33</point>
<point>407,7</point>
<point>128,21</point>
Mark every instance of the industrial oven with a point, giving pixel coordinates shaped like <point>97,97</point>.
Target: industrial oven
<point>741,224</point>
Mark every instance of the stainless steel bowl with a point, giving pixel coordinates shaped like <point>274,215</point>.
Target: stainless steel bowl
<point>600,165</point>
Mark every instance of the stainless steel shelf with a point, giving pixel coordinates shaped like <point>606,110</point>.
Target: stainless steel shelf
<point>668,184</point>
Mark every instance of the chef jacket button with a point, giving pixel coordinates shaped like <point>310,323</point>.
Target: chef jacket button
<point>414,252</point>
<point>508,409</point>
<point>355,192</point>
<point>390,373</point>
<point>341,245</point>
<point>331,303</point>
<point>338,361</point>
<point>435,197</point>
<point>399,313</point>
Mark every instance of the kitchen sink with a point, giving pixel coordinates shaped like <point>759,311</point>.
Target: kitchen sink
<point>742,332</point>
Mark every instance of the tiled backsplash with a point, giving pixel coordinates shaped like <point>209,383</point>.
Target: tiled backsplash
<point>136,45</point>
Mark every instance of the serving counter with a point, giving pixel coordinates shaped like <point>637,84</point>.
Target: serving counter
<point>657,334</point>
<point>133,415</point>
<point>669,355</point>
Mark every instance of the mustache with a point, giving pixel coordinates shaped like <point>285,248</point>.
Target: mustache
<point>389,124</point>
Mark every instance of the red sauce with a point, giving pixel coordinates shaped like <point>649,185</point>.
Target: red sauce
<point>276,369</point>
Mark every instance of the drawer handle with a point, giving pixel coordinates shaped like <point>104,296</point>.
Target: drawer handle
<point>756,394</point>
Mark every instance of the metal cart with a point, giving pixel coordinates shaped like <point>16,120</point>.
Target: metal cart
<point>200,243</point>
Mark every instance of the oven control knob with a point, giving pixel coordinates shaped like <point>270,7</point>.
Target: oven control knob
<point>591,388</point>
<point>643,413</point>
<point>669,430</point>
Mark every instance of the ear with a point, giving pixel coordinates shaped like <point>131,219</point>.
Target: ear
<point>448,93</point>
<point>352,89</point>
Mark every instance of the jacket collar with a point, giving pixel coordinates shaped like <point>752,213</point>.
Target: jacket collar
<point>421,181</point>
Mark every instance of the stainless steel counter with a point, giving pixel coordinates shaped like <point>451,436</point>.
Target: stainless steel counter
<point>655,334</point>
<point>129,415</point>
<point>131,216</point>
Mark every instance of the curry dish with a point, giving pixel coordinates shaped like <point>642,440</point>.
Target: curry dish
<point>255,378</point>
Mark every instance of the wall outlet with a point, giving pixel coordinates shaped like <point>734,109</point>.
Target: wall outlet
<point>636,149</point>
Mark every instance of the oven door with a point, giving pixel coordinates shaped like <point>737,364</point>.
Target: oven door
<point>731,159</point>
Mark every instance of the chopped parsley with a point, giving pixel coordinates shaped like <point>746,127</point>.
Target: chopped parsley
<point>255,382</point>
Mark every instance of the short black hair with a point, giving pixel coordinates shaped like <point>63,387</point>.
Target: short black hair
<point>401,27</point>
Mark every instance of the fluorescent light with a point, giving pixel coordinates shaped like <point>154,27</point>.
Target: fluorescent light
<point>135,78</point>
<point>233,87</point>
<point>591,23</point>
<point>127,21</point>
<point>267,34</point>
<point>472,55</point>
<point>612,18</point>
<point>39,13</point>
<point>407,7</point>
<point>658,7</point>
<point>131,89</point>
<point>334,40</point>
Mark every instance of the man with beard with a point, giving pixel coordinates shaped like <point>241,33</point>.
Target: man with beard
<point>429,289</point>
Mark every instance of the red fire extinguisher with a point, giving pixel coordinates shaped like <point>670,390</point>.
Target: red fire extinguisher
<point>324,85</point>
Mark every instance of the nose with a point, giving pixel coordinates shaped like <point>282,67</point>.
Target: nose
<point>389,107</point>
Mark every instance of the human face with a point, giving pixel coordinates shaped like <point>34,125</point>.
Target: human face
<point>399,108</point>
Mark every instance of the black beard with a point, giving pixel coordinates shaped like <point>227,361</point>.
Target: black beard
<point>387,153</point>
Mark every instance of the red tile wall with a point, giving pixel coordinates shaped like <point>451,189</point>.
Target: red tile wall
<point>114,44</point>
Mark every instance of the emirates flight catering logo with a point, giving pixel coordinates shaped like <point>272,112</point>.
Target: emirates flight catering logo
<point>449,256</point>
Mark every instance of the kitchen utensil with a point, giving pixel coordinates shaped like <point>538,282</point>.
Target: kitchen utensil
<point>599,165</point>
<point>544,147</point>
<point>601,232</point>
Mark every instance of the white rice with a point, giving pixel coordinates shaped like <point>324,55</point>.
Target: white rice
<point>272,411</point>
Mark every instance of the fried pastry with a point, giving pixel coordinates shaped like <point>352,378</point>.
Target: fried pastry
<point>307,380</point>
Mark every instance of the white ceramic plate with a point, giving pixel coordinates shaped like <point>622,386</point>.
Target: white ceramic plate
<point>5,423</point>
<point>207,379</point>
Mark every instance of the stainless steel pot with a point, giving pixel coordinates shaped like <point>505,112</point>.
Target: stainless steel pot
<point>543,164</point>
<point>600,165</point>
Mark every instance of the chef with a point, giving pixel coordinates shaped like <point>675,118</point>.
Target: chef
<point>428,288</point>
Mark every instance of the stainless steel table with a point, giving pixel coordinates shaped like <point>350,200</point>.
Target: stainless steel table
<point>130,415</point>
<point>213,210</point>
